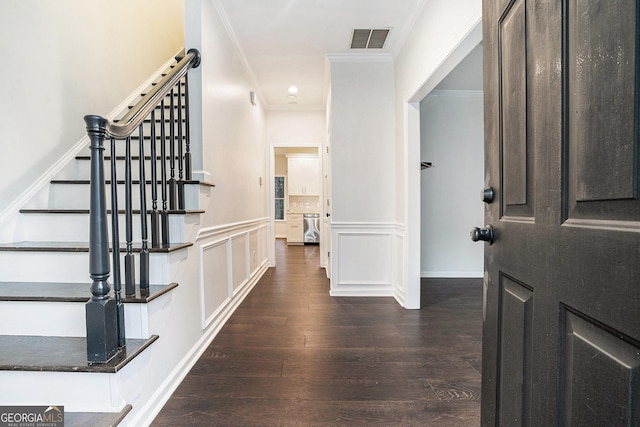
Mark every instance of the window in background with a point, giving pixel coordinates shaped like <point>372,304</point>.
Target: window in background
<point>279,199</point>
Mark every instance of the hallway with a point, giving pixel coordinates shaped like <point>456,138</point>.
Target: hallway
<point>291,355</point>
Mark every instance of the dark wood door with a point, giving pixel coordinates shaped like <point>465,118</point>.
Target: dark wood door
<point>561,332</point>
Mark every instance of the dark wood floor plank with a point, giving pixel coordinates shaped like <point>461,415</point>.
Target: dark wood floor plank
<point>292,355</point>
<point>286,412</point>
<point>399,389</point>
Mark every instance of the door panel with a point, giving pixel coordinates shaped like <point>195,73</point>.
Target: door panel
<point>602,96</point>
<point>561,333</point>
<point>516,314</point>
<point>600,86</point>
<point>516,155</point>
<point>601,376</point>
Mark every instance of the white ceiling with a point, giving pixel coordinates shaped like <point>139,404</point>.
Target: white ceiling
<point>285,42</point>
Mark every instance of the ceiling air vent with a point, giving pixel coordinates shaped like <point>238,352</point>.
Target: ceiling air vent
<point>369,39</point>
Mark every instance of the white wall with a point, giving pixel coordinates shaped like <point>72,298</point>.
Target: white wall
<point>65,59</point>
<point>444,33</point>
<point>363,176</point>
<point>233,155</point>
<point>452,139</point>
<point>299,128</point>
<point>362,134</point>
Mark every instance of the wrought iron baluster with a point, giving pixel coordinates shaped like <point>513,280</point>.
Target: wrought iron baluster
<point>172,154</point>
<point>155,216</point>
<point>129,261</point>
<point>144,253</point>
<point>187,154</point>
<point>163,172</point>
<point>101,310</point>
<point>180,142</point>
<point>115,247</point>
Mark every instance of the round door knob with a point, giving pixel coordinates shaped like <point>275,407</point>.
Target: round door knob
<point>485,234</point>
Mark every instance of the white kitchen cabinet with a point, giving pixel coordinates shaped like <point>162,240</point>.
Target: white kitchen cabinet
<point>295,233</point>
<point>304,175</point>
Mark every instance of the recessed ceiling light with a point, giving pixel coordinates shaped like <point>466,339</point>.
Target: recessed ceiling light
<point>293,90</point>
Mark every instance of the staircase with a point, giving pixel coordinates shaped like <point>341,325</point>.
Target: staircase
<point>46,281</point>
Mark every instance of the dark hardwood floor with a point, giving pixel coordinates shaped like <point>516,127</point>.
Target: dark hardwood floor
<point>291,355</point>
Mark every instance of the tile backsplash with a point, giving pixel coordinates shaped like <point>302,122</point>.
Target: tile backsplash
<point>304,204</point>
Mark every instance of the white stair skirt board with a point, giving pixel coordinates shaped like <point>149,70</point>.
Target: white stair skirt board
<point>154,404</point>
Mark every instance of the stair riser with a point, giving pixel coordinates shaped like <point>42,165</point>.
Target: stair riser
<point>135,141</point>
<point>83,169</point>
<point>63,319</point>
<point>91,392</point>
<point>81,391</point>
<point>75,227</point>
<point>77,196</point>
<point>68,266</point>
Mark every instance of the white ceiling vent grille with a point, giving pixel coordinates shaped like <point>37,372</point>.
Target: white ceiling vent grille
<point>369,39</point>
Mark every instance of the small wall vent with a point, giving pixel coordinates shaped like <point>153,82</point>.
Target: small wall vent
<point>369,39</point>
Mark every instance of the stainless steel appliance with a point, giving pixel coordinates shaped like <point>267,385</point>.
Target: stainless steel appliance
<point>311,228</point>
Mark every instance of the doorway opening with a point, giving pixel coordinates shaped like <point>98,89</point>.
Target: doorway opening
<point>296,196</point>
<point>452,147</point>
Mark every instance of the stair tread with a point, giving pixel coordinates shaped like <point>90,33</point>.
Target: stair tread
<point>33,246</point>
<point>61,354</point>
<point>121,212</point>
<point>70,292</point>
<point>95,419</point>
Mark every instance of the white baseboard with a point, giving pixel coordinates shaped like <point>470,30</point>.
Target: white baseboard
<point>452,274</point>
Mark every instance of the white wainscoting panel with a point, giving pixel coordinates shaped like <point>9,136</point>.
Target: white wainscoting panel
<point>364,259</point>
<point>215,281</point>
<point>254,237</point>
<point>239,260</point>
<point>226,255</point>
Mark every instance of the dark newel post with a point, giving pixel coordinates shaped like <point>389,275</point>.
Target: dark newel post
<point>188,175</point>
<point>144,254</point>
<point>101,310</point>
<point>155,216</point>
